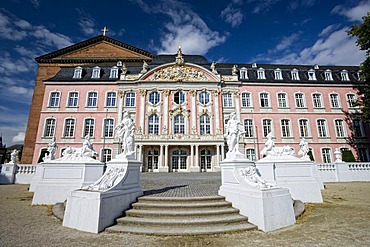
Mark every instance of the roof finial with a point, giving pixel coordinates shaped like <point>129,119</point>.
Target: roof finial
<point>179,58</point>
<point>104,30</point>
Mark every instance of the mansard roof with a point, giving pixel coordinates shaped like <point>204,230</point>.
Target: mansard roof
<point>61,55</point>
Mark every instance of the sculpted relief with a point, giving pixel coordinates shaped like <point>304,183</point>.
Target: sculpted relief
<point>178,73</point>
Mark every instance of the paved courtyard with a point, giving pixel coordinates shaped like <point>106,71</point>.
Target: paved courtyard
<point>342,220</point>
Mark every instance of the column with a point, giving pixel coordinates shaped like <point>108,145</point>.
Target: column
<point>197,156</point>
<point>142,109</point>
<point>163,166</point>
<point>192,155</point>
<point>165,111</point>
<point>222,152</point>
<point>166,157</point>
<point>193,94</point>
<point>121,95</point>
<point>217,166</point>
<point>216,112</point>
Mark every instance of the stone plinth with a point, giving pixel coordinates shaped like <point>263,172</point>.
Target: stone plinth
<point>8,171</point>
<point>96,206</point>
<point>299,176</point>
<point>54,180</point>
<point>266,206</point>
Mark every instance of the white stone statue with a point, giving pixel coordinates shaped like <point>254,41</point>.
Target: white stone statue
<point>107,181</point>
<point>252,177</point>
<point>85,152</point>
<point>304,149</point>
<point>51,148</point>
<point>213,68</point>
<point>87,147</point>
<point>125,131</point>
<point>234,70</point>
<point>269,148</point>
<point>145,68</point>
<point>338,155</point>
<point>13,157</point>
<point>233,130</point>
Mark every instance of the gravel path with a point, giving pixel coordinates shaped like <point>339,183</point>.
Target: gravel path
<point>342,220</point>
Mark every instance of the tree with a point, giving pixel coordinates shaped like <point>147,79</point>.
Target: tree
<point>362,32</point>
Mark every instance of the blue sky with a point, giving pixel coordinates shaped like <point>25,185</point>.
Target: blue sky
<point>239,31</point>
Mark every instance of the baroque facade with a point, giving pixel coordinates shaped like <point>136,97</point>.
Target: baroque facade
<point>180,104</point>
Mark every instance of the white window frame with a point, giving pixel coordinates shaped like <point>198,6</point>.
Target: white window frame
<point>73,97</point>
<point>130,99</point>
<point>261,74</point>
<point>153,124</point>
<point>317,101</point>
<point>111,101</point>
<point>181,97</point>
<point>179,127</point>
<point>264,101</point>
<point>227,99</point>
<point>282,102</point>
<point>250,153</point>
<point>243,73</point>
<point>344,75</point>
<point>77,73</point>
<point>326,155</point>
<point>328,75</point>
<point>108,128</point>
<point>248,128</point>
<point>95,72</point>
<point>278,75</point>
<point>339,128</point>
<point>295,74</point>
<point>106,154</point>
<point>311,75</point>
<point>351,99</point>
<point>334,100</point>
<point>154,97</point>
<point>49,128</point>
<point>88,128</point>
<point>300,102</point>
<point>204,124</point>
<point>113,72</point>
<point>54,101</point>
<point>285,128</point>
<point>92,99</point>
<point>69,129</point>
<point>246,99</point>
<point>322,128</point>
<point>266,128</point>
<point>304,129</point>
<point>204,97</point>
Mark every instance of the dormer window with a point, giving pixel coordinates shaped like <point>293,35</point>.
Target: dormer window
<point>254,65</point>
<point>295,75</point>
<point>277,74</point>
<point>77,73</point>
<point>344,75</point>
<point>114,72</point>
<point>261,73</point>
<point>96,72</point>
<point>311,75</point>
<point>243,73</point>
<point>328,75</point>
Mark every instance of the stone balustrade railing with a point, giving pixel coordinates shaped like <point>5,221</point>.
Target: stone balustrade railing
<point>24,174</point>
<point>344,172</point>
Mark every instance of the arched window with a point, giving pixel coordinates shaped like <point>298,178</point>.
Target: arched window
<point>96,72</point>
<point>205,124</point>
<point>89,127</point>
<point>54,99</point>
<point>77,74</point>
<point>153,124</point>
<point>204,97</point>
<point>108,127</point>
<point>154,98</point>
<point>92,98</point>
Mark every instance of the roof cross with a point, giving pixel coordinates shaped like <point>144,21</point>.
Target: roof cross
<point>104,30</point>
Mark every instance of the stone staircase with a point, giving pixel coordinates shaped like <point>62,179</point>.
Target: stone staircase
<point>181,216</point>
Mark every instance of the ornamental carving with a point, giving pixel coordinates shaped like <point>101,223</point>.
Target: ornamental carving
<point>193,92</point>
<point>142,92</point>
<point>121,93</point>
<point>179,73</point>
<point>166,92</point>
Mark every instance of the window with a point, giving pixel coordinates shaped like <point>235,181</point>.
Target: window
<point>339,128</point>
<point>69,127</point>
<point>179,97</point>
<point>317,102</point>
<point>328,75</point>
<point>243,73</point>
<point>111,99</point>
<point>205,125</point>
<point>321,128</point>
<point>294,74</point>
<point>334,100</point>
<point>326,155</point>
<point>285,128</point>
<point>264,99</point>
<point>153,158</point>
<point>311,75</point>
<point>49,130</point>
<point>179,124</point>
<point>303,128</point>
<point>282,100</point>
<point>204,97</point>
<point>261,73</point>
<point>250,153</point>
<point>277,74</point>
<point>89,127</point>
<point>114,72</point>
<point>154,98</point>
<point>266,126</point>
<point>153,124</point>
<point>205,159</point>
<point>179,159</point>
<point>106,154</point>
<point>77,74</point>
<point>246,100</point>
<point>96,72</point>
<point>92,98</point>
<point>299,100</point>
<point>344,75</point>
<point>227,99</point>
<point>248,127</point>
<point>73,99</point>
<point>130,99</point>
<point>357,128</point>
<point>351,99</point>
<point>108,127</point>
<point>362,154</point>
<point>54,99</point>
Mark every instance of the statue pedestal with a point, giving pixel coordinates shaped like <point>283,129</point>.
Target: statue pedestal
<point>269,209</point>
<point>298,175</point>
<point>8,171</point>
<point>55,179</point>
<point>95,207</point>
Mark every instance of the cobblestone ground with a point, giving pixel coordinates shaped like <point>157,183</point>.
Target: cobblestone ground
<point>342,220</point>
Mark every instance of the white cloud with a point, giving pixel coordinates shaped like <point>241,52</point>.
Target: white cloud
<point>8,29</point>
<point>49,38</point>
<point>86,22</point>
<point>355,13</point>
<point>10,66</point>
<point>287,41</point>
<point>19,138</point>
<point>185,28</point>
<point>233,16</point>
<point>36,3</point>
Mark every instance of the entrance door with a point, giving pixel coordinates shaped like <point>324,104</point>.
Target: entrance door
<point>179,158</point>
<point>205,160</point>
<point>152,160</point>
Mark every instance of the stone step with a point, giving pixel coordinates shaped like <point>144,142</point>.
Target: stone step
<point>180,200</point>
<point>186,205</point>
<point>180,213</point>
<point>176,231</point>
<point>189,221</point>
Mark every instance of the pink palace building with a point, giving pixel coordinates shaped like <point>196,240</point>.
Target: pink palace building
<point>180,104</point>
